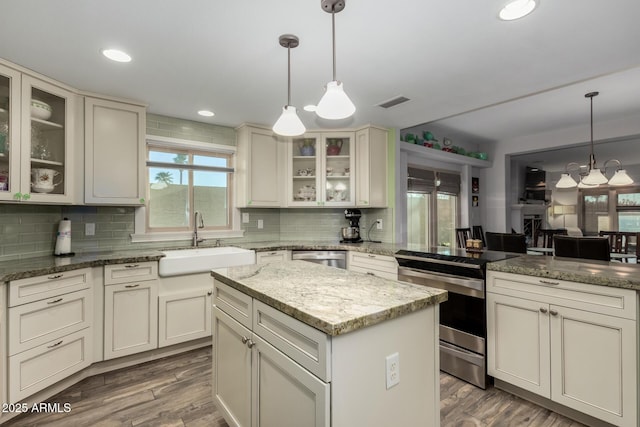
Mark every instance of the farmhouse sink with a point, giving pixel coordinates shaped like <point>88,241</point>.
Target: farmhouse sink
<point>200,260</point>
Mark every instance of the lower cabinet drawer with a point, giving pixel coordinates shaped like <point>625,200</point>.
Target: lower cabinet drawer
<point>35,369</point>
<point>31,289</point>
<point>234,303</point>
<point>135,272</point>
<point>384,274</point>
<point>36,323</point>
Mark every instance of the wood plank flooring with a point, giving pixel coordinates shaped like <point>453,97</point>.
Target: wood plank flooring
<point>176,391</point>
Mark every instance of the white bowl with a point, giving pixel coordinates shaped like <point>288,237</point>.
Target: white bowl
<point>40,110</point>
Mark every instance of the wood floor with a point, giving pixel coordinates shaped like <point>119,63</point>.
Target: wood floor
<point>176,391</point>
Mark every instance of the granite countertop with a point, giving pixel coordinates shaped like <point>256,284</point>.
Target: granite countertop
<point>333,300</point>
<point>37,266</point>
<point>613,274</point>
<point>388,249</point>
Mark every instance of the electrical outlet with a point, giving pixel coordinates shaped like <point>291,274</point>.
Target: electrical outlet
<point>245,217</point>
<point>89,229</point>
<point>260,223</point>
<point>393,370</point>
<point>379,226</point>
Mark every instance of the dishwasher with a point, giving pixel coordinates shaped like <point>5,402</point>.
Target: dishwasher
<point>331,258</point>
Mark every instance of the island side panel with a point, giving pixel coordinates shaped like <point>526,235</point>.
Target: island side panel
<point>358,391</point>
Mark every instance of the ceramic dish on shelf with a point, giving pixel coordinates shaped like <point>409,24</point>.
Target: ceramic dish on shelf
<point>40,110</point>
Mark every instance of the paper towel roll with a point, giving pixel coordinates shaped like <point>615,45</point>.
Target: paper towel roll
<point>63,242</point>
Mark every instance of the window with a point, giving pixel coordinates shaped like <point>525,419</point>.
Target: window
<point>610,209</point>
<point>432,207</point>
<point>184,177</point>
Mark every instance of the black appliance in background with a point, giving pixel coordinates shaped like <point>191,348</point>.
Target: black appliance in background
<point>351,234</point>
<point>535,184</point>
<point>463,317</point>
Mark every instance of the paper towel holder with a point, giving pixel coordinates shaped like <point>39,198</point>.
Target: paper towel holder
<point>63,239</point>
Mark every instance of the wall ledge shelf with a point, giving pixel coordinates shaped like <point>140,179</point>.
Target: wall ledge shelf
<point>443,156</point>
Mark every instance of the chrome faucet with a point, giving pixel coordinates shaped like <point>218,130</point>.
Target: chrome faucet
<point>197,224</point>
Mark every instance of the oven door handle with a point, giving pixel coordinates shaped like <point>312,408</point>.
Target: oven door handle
<point>463,354</point>
<point>461,285</point>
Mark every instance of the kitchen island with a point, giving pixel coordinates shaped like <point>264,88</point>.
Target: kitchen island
<point>563,333</point>
<point>302,344</point>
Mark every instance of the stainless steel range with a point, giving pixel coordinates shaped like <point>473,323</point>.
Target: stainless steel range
<point>463,319</point>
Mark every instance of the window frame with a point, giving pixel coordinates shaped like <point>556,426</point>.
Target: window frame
<point>143,233</point>
<point>612,207</point>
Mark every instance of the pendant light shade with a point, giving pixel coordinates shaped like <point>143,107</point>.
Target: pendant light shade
<point>595,176</point>
<point>335,104</point>
<point>289,124</point>
<point>566,181</point>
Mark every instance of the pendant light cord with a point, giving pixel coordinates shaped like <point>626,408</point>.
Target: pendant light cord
<point>592,157</point>
<point>333,33</point>
<point>288,75</point>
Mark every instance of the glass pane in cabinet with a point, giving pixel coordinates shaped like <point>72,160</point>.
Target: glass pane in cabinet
<point>47,142</point>
<point>338,156</point>
<point>4,133</point>
<point>303,169</point>
<point>337,189</point>
<point>304,147</point>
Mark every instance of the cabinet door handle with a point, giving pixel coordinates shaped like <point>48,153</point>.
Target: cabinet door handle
<point>548,282</point>
<point>132,266</point>
<point>368,273</point>
<point>55,345</point>
<point>244,340</point>
<point>209,293</point>
<point>273,253</point>
<point>250,344</point>
<point>553,312</point>
<point>543,310</point>
<point>55,301</point>
<point>132,286</point>
<point>57,276</point>
<point>371,256</point>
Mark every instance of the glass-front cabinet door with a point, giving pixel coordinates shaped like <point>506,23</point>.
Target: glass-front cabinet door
<point>9,133</point>
<point>47,125</point>
<point>320,166</point>
<point>338,164</point>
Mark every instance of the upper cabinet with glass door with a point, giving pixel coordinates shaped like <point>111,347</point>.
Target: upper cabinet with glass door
<point>9,133</point>
<point>46,135</point>
<point>320,166</point>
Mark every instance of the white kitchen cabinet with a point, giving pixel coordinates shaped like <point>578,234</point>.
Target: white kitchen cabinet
<point>572,343</point>
<point>184,308</point>
<point>37,149</point>
<point>371,167</point>
<point>319,170</point>
<point>273,256</point>
<point>50,323</point>
<point>373,264</point>
<point>130,309</point>
<point>260,168</point>
<point>114,135</point>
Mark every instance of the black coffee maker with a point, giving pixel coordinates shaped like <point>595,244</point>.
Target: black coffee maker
<point>351,234</point>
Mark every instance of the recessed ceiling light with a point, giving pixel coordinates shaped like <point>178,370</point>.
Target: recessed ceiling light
<point>310,108</point>
<point>517,9</point>
<point>116,55</point>
<point>206,113</point>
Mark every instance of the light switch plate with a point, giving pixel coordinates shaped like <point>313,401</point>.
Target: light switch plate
<point>245,217</point>
<point>260,223</point>
<point>89,229</point>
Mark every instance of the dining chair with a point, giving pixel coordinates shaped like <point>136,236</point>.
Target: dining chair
<point>623,242</point>
<point>462,235</point>
<point>547,236</point>
<point>596,248</point>
<point>506,242</point>
<point>477,233</point>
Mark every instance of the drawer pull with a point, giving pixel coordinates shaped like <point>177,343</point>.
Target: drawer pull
<point>55,301</point>
<point>132,266</point>
<point>548,282</point>
<point>553,312</point>
<point>371,256</point>
<point>543,310</point>
<point>57,276</point>
<point>273,253</point>
<point>55,345</point>
<point>368,273</point>
<point>209,293</point>
<point>250,344</point>
<point>132,286</point>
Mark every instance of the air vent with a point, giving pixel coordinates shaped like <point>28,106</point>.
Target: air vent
<point>393,102</point>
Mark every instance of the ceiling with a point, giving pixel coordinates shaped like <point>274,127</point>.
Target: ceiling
<point>456,61</point>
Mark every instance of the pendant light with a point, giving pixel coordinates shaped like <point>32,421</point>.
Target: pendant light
<point>335,104</point>
<point>289,123</point>
<point>594,176</point>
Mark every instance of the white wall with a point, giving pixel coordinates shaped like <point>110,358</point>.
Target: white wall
<point>498,179</point>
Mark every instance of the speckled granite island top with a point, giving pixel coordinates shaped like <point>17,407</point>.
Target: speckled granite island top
<point>332,300</point>
<point>613,274</point>
<point>31,267</point>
